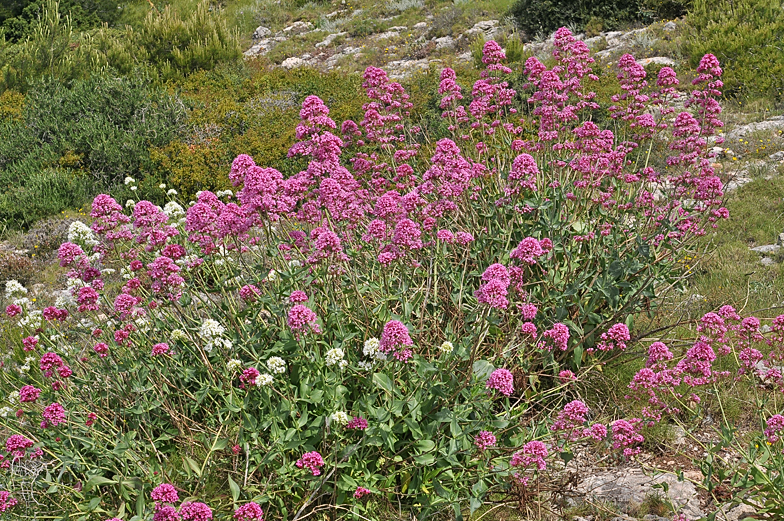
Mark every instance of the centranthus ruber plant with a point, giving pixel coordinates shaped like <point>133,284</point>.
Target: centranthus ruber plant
<point>390,322</point>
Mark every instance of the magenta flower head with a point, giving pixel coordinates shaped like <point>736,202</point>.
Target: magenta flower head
<point>775,426</point>
<point>54,415</point>
<point>501,380</point>
<point>164,493</point>
<point>485,440</point>
<point>302,318</point>
<point>28,393</point>
<point>533,453</point>
<point>249,512</point>
<point>361,492</point>
<point>195,512</point>
<point>357,423</point>
<point>166,513</point>
<point>6,501</point>
<point>160,349</point>
<point>311,461</point>
<point>396,340</point>
<point>249,293</point>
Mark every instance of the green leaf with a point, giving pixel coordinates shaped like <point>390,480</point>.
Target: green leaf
<point>425,445</point>
<point>383,381</point>
<point>482,369</point>
<point>97,481</point>
<point>193,465</point>
<point>235,489</point>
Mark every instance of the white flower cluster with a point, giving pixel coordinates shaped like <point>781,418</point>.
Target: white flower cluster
<point>178,334</point>
<point>6,411</point>
<point>234,365</point>
<point>34,319</point>
<point>173,210</point>
<point>13,399</point>
<point>14,288</point>
<point>264,380</point>
<point>335,357</point>
<point>365,365</point>
<point>446,347</point>
<point>171,192</point>
<point>276,365</point>
<point>212,332</point>
<point>224,193</point>
<point>272,276</point>
<point>162,186</point>
<point>26,367</point>
<point>129,180</point>
<point>81,234</point>
<point>340,417</point>
<point>372,351</point>
<point>64,299</point>
<point>294,263</point>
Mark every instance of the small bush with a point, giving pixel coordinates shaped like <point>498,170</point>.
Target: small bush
<point>46,235</point>
<point>15,267</point>
<point>745,35</point>
<point>542,17</point>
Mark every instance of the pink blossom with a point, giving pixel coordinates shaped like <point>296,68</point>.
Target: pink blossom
<point>6,501</point>
<point>502,381</point>
<point>298,297</point>
<point>557,337</point>
<point>102,349</point>
<point>249,512</point>
<point>597,432</point>
<point>311,461</point>
<point>616,337</point>
<point>775,426</point>
<point>249,293</point>
<point>533,453</point>
<point>195,511</point>
<point>29,343</point>
<point>484,440</point>
<point>626,436</point>
<point>302,318</point>
<point>54,415</point>
<point>166,513</point>
<point>28,393</point>
<point>357,423</point>
<point>395,340</point>
<point>249,375</point>
<point>160,349</point>
<point>164,493</point>
<point>12,310</point>
<point>360,492</point>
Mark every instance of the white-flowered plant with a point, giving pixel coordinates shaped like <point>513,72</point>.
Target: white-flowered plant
<point>276,365</point>
<point>81,234</point>
<point>264,379</point>
<point>340,417</point>
<point>335,356</point>
<point>14,289</point>
<point>446,347</point>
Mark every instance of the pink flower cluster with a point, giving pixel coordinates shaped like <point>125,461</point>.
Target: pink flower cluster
<point>501,380</point>
<point>311,461</point>
<point>484,440</point>
<point>357,423</point>
<point>249,512</point>
<point>396,341</point>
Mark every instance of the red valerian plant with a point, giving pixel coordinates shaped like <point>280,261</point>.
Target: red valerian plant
<point>366,324</point>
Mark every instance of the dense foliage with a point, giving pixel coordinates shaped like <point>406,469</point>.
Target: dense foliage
<point>745,35</point>
<point>393,324</point>
<point>69,140</point>
<point>18,17</point>
<point>538,18</point>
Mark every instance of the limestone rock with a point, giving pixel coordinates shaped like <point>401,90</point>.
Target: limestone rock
<point>488,28</point>
<point>446,42</point>
<point>261,32</point>
<point>767,249</point>
<point>777,156</point>
<point>329,39</point>
<point>629,488</point>
<point>774,123</point>
<point>421,26</point>
<point>293,63</point>
<point>298,28</point>
<point>670,26</point>
<point>658,60</point>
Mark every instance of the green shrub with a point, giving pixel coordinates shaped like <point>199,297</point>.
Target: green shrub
<point>745,35</point>
<point>74,140</point>
<point>542,17</point>
<point>83,14</point>
<point>41,194</point>
<point>166,47</point>
<point>15,267</point>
